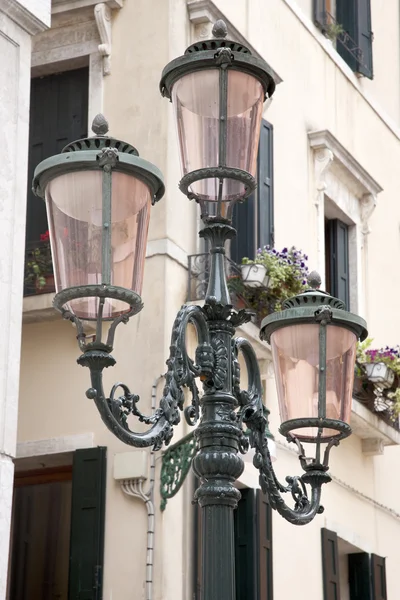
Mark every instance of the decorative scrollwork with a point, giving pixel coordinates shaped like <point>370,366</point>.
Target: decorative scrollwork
<point>181,373</point>
<point>176,463</point>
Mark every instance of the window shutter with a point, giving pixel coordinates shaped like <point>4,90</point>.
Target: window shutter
<point>58,114</point>
<point>364,38</point>
<point>264,539</point>
<point>87,524</point>
<point>265,188</point>
<point>245,535</point>
<point>330,565</point>
<point>253,219</point>
<point>319,14</point>
<point>244,243</point>
<point>378,567</point>
<point>359,576</point>
<point>339,260</point>
<point>355,18</point>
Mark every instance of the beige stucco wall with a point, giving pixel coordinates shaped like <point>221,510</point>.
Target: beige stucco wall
<point>316,94</point>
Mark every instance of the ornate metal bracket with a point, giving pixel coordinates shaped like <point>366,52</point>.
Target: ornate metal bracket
<point>176,463</point>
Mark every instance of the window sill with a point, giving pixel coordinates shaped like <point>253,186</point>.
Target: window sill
<point>37,309</point>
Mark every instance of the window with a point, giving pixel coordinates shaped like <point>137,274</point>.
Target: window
<point>254,218</point>
<point>349,573</point>
<point>348,22</point>
<point>57,530</point>
<point>337,260</point>
<point>253,547</point>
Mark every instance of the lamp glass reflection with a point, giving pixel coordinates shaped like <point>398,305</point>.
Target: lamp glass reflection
<point>296,360</point>
<point>75,214</point>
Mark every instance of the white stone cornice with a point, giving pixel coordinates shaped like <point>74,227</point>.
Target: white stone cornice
<point>357,177</point>
<point>166,247</point>
<point>33,20</point>
<point>59,6</point>
<point>204,13</point>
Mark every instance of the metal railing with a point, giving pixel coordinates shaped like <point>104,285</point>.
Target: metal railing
<point>38,273</point>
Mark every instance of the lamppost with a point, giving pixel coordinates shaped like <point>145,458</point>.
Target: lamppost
<point>98,194</point>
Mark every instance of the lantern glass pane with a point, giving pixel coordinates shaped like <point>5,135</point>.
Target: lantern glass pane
<point>75,213</point>
<point>196,100</point>
<point>295,352</point>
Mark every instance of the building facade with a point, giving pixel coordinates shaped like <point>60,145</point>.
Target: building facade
<point>328,181</point>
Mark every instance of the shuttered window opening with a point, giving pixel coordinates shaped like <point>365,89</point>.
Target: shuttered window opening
<point>254,218</point>
<point>351,27</point>
<point>337,260</point>
<point>366,573</point>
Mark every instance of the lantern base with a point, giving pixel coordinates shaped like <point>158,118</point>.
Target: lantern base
<point>342,428</point>
<point>131,298</point>
<point>222,174</point>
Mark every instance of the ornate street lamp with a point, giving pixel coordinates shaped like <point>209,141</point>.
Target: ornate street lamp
<point>98,194</point>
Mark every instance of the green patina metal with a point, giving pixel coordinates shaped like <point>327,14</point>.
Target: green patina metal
<point>176,463</point>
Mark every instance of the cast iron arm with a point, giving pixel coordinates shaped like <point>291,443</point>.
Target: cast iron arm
<point>182,372</point>
<point>252,414</point>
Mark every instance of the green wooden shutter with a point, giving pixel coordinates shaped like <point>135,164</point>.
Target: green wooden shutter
<point>265,188</point>
<point>330,565</point>
<point>378,567</point>
<point>355,18</point>
<point>58,114</point>
<point>359,576</point>
<point>319,14</point>
<point>364,38</point>
<point>244,243</point>
<point>245,536</point>
<point>253,219</point>
<point>87,524</point>
<point>264,545</point>
<point>339,260</point>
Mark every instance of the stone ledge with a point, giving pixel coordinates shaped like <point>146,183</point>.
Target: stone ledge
<point>369,426</point>
<point>39,308</point>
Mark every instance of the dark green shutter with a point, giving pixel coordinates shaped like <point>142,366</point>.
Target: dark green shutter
<point>265,189</point>
<point>355,18</point>
<point>330,565</point>
<point>58,114</point>
<point>339,260</point>
<point>364,38</point>
<point>319,14</point>
<point>245,547</point>
<point>87,524</point>
<point>359,576</point>
<point>264,539</point>
<point>254,218</point>
<point>378,567</point>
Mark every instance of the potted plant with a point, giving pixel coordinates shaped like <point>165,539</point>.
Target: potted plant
<point>39,266</point>
<point>286,272</point>
<point>381,367</point>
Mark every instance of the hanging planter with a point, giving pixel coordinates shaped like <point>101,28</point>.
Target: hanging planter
<point>379,374</point>
<point>254,275</point>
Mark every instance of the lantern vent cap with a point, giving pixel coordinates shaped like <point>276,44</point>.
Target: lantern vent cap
<point>100,140</point>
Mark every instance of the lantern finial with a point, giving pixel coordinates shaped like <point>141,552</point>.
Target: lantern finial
<point>220,29</point>
<point>100,125</point>
<point>314,280</point>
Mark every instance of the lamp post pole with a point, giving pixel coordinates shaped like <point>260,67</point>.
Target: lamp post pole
<point>100,190</point>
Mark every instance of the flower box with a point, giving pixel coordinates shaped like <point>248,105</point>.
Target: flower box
<point>253,275</point>
<point>379,374</point>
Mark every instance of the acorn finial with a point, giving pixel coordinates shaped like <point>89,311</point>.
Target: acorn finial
<point>314,280</point>
<point>220,29</point>
<point>100,125</point>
